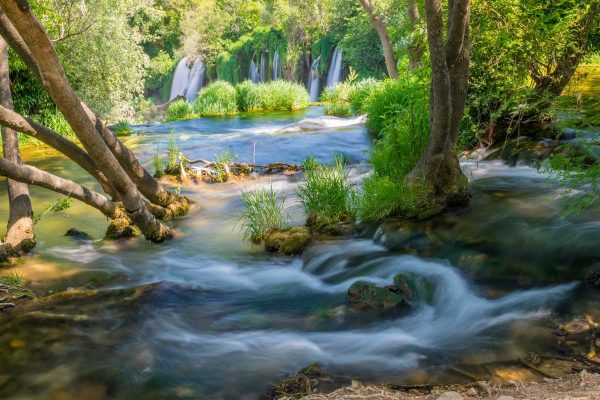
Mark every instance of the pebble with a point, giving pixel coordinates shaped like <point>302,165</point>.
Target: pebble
<point>450,396</point>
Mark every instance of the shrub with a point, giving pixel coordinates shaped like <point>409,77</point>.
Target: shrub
<point>284,96</point>
<point>403,138</point>
<point>263,213</point>
<point>338,109</point>
<point>249,96</point>
<point>361,90</point>
<point>122,128</point>
<point>218,98</point>
<point>327,195</point>
<point>338,93</point>
<point>180,109</point>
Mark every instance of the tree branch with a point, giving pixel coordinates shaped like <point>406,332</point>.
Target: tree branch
<point>458,19</point>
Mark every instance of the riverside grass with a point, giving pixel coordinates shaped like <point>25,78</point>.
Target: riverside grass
<point>221,98</point>
<point>348,98</point>
<point>263,213</point>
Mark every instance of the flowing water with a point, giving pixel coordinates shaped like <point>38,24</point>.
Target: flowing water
<point>187,79</point>
<point>253,72</point>
<point>314,80</point>
<point>276,69</point>
<point>215,317</point>
<point>335,69</point>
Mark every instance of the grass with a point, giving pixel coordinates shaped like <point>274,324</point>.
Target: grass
<point>222,160</point>
<point>263,213</point>
<point>173,154</point>
<point>122,128</point>
<point>179,110</point>
<point>327,194</point>
<point>218,98</point>
<point>12,280</point>
<point>403,118</point>
<point>271,96</point>
<point>339,109</point>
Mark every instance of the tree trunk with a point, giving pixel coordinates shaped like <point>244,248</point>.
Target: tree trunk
<point>438,170</point>
<point>56,84</point>
<point>415,50</point>
<point>145,182</point>
<point>386,43</point>
<point>19,234</point>
<point>552,85</point>
<point>34,176</point>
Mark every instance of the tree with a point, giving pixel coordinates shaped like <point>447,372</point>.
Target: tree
<point>19,234</point>
<point>438,171</point>
<point>106,158</point>
<point>386,43</point>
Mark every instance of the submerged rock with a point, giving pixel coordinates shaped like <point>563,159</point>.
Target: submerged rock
<point>288,242</point>
<point>592,277</point>
<point>365,295</point>
<point>306,381</point>
<point>78,235</point>
<point>415,288</point>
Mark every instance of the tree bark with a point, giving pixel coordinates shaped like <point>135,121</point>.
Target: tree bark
<point>34,176</point>
<point>415,50</point>
<point>56,84</point>
<point>388,49</point>
<point>147,185</point>
<point>19,233</point>
<point>438,170</point>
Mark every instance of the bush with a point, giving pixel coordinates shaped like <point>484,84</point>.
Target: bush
<point>263,213</point>
<point>361,90</point>
<point>180,109</point>
<point>327,195</point>
<point>271,96</point>
<point>338,109</point>
<point>403,138</point>
<point>122,128</point>
<point>218,98</point>
<point>338,93</point>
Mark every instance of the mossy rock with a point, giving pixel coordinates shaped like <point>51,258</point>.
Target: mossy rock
<point>592,277</point>
<point>365,295</point>
<point>121,228</point>
<point>415,288</point>
<point>289,242</point>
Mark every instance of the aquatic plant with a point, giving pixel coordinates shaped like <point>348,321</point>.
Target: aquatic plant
<point>158,164</point>
<point>173,154</point>
<point>218,98</point>
<point>310,163</point>
<point>271,96</point>
<point>178,110</point>
<point>327,194</point>
<point>122,128</point>
<point>263,213</point>
<point>222,162</point>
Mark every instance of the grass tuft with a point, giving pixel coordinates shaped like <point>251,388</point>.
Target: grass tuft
<point>263,213</point>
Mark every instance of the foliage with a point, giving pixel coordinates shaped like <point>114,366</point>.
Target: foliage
<point>327,195</point>
<point>158,164</point>
<point>361,90</point>
<point>362,48</point>
<point>53,120</point>
<point>578,171</point>
<point>263,213</point>
<point>179,109</point>
<point>310,163</point>
<point>338,109</point>
<point>402,108</point>
<point>218,98</point>
<point>122,128</point>
<point>55,208</point>
<point>160,70</point>
<point>283,96</point>
<point>173,154</point>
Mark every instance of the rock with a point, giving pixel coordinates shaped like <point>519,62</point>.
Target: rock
<point>365,295</point>
<point>289,242</point>
<point>450,396</point>
<point>505,398</point>
<point>339,229</point>
<point>533,359</point>
<point>414,287</point>
<point>304,382</point>
<point>472,392</point>
<point>576,326</point>
<point>78,235</point>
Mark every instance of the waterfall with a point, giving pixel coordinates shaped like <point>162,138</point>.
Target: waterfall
<point>276,64</point>
<point>335,69</point>
<point>314,80</point>
<point>253,73</point>
<point>263,68</point>
<point>195,81</point>
<point>188,79</point>
<point>180,79</point>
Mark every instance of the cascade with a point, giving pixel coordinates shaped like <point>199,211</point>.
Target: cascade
<point>253,73</point>
<point>263,68</point>
<point>276,72</point>
<point>335,69</point>
<point>180,79</point>
<point>314,80</point>
<point>195,81</point>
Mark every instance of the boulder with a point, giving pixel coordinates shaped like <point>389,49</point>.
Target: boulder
<point>78,235</point>
<point>415,288</point>
<point>365,295</point>
<point>592,277</point>
<point>288,242</point>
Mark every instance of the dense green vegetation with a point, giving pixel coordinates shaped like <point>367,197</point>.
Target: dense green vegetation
<point>263,213</point>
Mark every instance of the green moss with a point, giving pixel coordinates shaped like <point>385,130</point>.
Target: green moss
<point>288,242</point>
<point>121,228</point>
<point>366,295</point>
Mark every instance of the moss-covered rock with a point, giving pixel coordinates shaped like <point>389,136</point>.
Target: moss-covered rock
<point>365,295</point>
<point>288,242</point>
<point>121,228</point>
<point>415,288</point>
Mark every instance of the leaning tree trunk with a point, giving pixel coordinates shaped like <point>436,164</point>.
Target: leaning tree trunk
<point>384,37</point>
<point>175,205</point>
<point>438,171</point>
<point>19,235</point>
<point>56,84</point>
